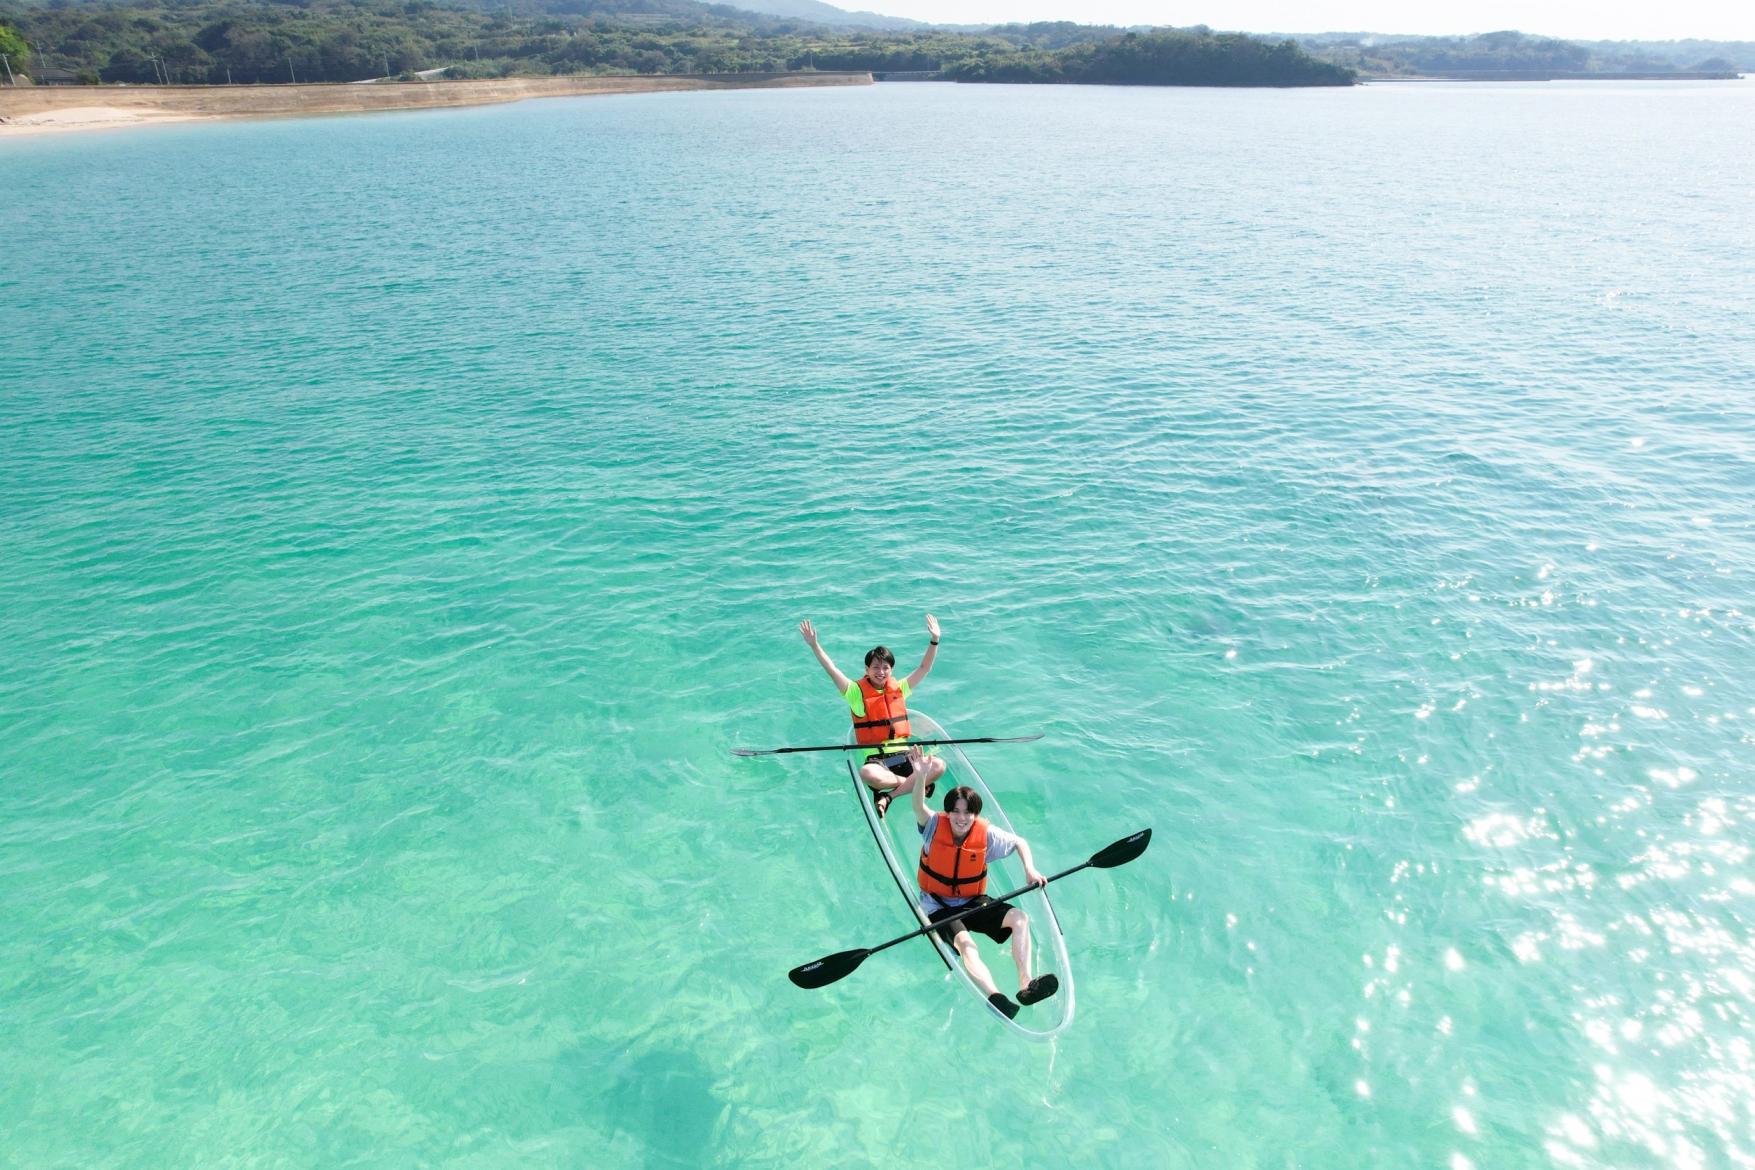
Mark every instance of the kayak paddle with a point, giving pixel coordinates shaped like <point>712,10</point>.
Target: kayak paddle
<point>869,747</point>
<point>829,968</point>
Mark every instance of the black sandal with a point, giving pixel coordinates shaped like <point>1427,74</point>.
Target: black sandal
<point>881,802</point>
<point>1004,1006</point>
<point>1040,989</point>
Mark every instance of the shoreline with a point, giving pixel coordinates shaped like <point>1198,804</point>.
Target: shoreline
<point>37,110</point>
<point>77,118</point>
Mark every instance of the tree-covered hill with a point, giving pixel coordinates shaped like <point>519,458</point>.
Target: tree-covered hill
<point>249,41</point>
<point>820,13</point>
<point>1689,55</point>
<point>1514,52</point>
<point>1054,34</point>
<point>1198,56</point>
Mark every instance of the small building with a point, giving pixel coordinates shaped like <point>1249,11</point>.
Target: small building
<point>50,75</point>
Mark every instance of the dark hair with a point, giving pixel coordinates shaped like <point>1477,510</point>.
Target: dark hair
<point>882,652</point>
<point>963,792</point>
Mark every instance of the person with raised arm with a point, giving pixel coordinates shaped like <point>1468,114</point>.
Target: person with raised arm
<point>879,703</point>
<point>955,849</point>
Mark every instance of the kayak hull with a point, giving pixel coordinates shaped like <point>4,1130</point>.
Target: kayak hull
<point>898,840</point>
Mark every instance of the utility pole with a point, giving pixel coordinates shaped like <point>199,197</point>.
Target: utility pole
<point>10,80</point>
<point>228,74</point>
<point>289,70</point>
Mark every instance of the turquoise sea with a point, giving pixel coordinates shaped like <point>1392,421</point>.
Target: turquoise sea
<point>402,517</point>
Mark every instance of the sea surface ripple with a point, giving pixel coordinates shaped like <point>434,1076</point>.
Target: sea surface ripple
<point>403,516</point>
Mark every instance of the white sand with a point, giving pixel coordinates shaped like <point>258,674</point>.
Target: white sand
<point>59,111</point>
<point>82,118</point>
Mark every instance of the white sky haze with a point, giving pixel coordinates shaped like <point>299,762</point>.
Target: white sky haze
<point>1651,20</point>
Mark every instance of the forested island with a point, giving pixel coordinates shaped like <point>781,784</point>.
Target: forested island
<point>218,42</point>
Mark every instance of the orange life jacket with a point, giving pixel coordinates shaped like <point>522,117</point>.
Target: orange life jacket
<point>886,715</point>
<point>953,869</point>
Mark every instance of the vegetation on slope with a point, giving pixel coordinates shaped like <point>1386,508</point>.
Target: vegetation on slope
<point>1514,52</point>
<point>247,41</point>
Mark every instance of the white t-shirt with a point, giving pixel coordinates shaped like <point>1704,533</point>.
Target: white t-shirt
<point>999,844</point>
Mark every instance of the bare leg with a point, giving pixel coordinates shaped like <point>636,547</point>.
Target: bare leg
<point>965,944</point>
<point>1020,924</point>
<point>880,779</point>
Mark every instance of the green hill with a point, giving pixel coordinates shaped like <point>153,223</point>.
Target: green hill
<point>248,41</point>
<point>1374,55</point>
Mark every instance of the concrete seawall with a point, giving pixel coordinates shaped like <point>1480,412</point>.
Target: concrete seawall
<point>222,101</point>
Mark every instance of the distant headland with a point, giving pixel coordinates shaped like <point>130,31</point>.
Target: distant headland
<point>1515,56</point>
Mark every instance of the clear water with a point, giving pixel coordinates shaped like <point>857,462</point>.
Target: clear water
<point>403,516</point>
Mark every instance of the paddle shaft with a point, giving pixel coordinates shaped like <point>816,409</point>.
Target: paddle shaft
<point>878,747</point>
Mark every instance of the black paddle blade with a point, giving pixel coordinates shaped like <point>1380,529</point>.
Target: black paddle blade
<point>828,968</point>
<point>1123,851</point>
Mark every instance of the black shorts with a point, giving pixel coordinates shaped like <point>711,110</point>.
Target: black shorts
<point>899,765</point>
<point>987,920</point>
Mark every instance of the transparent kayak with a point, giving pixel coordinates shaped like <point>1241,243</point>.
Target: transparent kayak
<point>898,839</point>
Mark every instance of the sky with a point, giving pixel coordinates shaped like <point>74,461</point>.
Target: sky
<point>1722,20</point>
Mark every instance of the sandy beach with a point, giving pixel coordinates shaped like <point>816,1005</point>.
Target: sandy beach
<point>27,110</point>
<point>85,118</point>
